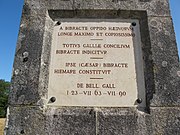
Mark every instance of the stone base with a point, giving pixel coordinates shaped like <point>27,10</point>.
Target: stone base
<point>93,121</point>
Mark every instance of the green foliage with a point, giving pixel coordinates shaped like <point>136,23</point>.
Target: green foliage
<point>4,91</point>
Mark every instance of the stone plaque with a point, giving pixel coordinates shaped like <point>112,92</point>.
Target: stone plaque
<point>96,63</point>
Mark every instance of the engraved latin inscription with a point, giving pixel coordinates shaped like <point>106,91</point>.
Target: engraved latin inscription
<point>96,63</point>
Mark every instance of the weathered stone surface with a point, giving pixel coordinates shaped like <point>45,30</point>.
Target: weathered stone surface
<point>165,59</point>
<point>25,120</point>
<point>155,7</point>
<point>26,70</point>
<point>77,121</point>
<point>165,120</point>
<point>120,121</point>
<point>116,121</point>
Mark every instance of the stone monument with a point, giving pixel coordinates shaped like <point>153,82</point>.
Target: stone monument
<point>95,67</point>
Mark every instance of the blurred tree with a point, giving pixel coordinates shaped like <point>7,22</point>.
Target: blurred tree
<point>4,91</point>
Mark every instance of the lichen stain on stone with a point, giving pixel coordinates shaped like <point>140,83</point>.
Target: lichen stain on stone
<point>164,63</point>
<point>16,72</point>
<point>178,73</point>
<point>155,69</point>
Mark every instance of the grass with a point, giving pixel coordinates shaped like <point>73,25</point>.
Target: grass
<point>2,123</point>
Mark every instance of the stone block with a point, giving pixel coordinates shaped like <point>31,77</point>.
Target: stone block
<point>74,121</point>
<point>165,61</point>
<point>25,120</point>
